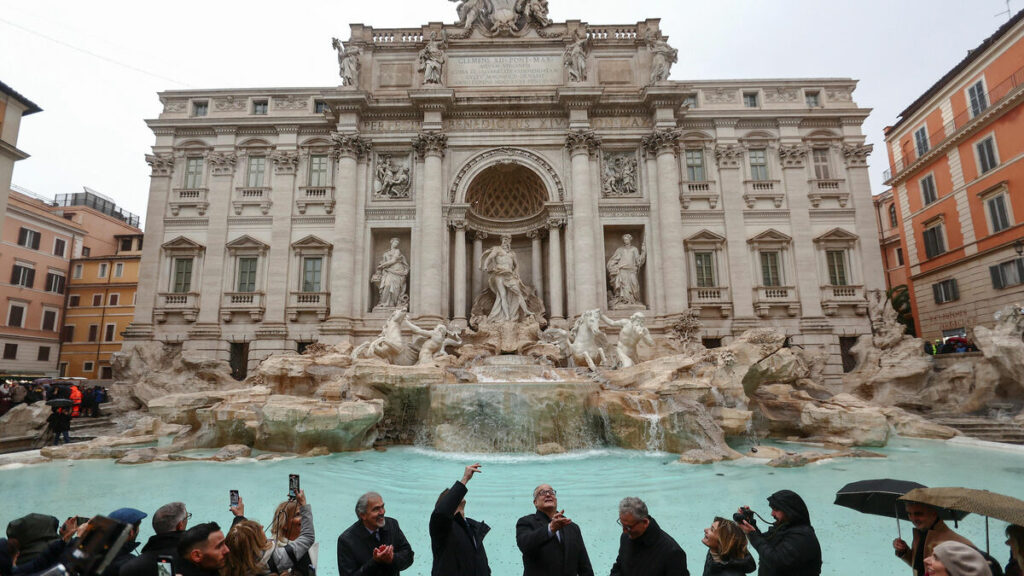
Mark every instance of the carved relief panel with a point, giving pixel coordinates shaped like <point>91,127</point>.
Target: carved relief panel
<point>392,176</point>
<point>619,175</point>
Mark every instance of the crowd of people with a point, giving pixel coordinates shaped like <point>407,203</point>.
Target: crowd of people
<point>67,400</point>
<point>551,543</point>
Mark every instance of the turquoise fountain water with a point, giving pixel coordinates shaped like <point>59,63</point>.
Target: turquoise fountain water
<point>683,498</point>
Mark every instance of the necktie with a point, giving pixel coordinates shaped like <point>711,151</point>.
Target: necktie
<point>376,534</point>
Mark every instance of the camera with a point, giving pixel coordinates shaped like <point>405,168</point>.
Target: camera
<point>744,515</point>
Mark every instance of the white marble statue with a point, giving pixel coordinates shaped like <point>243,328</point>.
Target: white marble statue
<point>535,10</point>
<point>587,341</point>
<point>348,62</point>
<point>623,273</point>
<point>392,181</point>
<point>663,57</point>
<point>389,345</point>
<point>632,332</point>
<point>434,341</point>
<point>431,61</point>
<point>390,277</point>
<point>470,11</point>
<point>510,294</point>
<point>575,59</point>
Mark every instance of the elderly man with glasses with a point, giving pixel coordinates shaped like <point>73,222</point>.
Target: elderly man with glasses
<point>551,544</point>
<point>644,548</point>
<point>169,521</point>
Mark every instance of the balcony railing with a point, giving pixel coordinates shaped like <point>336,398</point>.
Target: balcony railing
<point>189,197</point>
<point>252,303</point>
<point>755,190</point>
<point>710,295</point>
<point>702,190</point>
<point>252,196</point>
<point>1003,90</point>
<point>830,188</point>
<point>313,195</point>
<point>184,303</point>
<point>316,302</point>
<point>767,296</point>
<point>832,297</point>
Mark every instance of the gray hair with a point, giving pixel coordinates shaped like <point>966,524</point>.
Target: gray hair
<point>537,489</point>
<point>167,517</point>
<point>633,506</point>
<point>364,502</point>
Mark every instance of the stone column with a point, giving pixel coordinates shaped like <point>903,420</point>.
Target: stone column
<point>794,174</point>
<point>162,167</point>
<point>459,314</point>
<point>555,267</point>
<point>729,158</point>
<point>347,148</point>
<point>431,147</point>
<point>205,333</point>
<point>536,262</point>
<point>858,180</point>
<point>582,144</point>
<point>665,145</point>
<point>279,285</point>
<point>478,253</point>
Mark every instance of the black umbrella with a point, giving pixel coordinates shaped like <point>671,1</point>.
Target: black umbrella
<point>60,402</point>
<point>881,497</point>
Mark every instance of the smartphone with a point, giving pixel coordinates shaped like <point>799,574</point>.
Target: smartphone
<point>293,486</point>
<point>234,498</point>
<point>165,564</point>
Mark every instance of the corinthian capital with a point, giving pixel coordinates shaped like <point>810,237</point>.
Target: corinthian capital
<point>793,155</point>
<point>856,155</point>
<point>222,163</point>
<point>582,141</point>
<point>728,155</point>
<point>665,140</point>
<point>285,162</point>
<point>349,144</point>
<point>428,143</point>
<point>160,164</point>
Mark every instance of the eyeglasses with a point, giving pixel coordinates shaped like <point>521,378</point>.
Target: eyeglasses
<point>629,527</point>
<point>188,515</point>
<point>551,492</point>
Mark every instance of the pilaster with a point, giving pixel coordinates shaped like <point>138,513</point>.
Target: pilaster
<point>582,145</point>
<point>664,145</point>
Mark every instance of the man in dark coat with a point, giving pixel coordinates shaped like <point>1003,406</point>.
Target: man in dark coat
<point>644,548</point>
<point>789,547</point>
<point>551,544</point>
<point>133,518</point>
<point>34,532</point>
<point>457,542</point>
<point>202,551</point>
<point>169,521</point>
<point>374,544</point>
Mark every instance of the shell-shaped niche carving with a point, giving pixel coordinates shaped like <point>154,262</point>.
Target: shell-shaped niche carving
<point>506,192</point>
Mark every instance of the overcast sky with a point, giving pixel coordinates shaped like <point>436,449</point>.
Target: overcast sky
<point>95,66</point>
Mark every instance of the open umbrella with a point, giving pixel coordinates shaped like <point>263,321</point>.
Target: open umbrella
<point>988,504</point>
<point>882,498</point>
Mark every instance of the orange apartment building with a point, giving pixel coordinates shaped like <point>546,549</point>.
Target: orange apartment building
<point>100,305</point>
<point>888,222</point>
<point>957,177</point>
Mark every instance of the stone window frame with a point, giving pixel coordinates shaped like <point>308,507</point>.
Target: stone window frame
<point>815,94</point>
<point>118,269</point>
<point>88,366</point>
<point>1000,190</point>
<point>990,137</point>
<point>310,247</point>
<point>689,142</point>
<point>760,140</point>
<point>59,284</point>
<point>316,146</point>
<point>245,246</point>
<point>921,140</point>
<point>11,304</point>
<point>64,247</point>
<point>755,94</point>
<point>930,177</point>
<point>259,106</point>
<point>200,108</point>
<point>945,291</point>
<point>939,223</point>
<point>708,241</point>
<point>179,248</point>
<point>772,240</point>
<point>56,318</point>
<point>983,96</point>
<point>839,239</point>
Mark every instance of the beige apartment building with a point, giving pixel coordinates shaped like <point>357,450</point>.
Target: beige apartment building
<point>283,216</point>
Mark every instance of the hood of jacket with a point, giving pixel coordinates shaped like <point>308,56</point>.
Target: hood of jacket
<point>792,505</point>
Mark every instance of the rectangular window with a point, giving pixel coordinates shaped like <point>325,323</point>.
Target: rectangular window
<point>986,154</point>
<point>55,283</point>
<point>893,220</point>
<point>59,246</point>
<point>10,351</point>
<point>28,238</point>
<point>102,273</point>
<point>690,100</point>
<point>74,300</point>
<point>319,107</point>
<point>193,173</point>
<point>758,164</point>
<point>247,274</point>
<point>770,272</point>
<point>836,267</point>
<point>126,244</point>
<point>44,354</point>
<point>85,251</point>
<point>68,333</point>
<point>1008,273</point>
<point>78,272</point>
<point>822,170</point>
<point>928,193</point>
<point>934,242</point>
<point>94,332</point>
<point>259,107</point>
<point>750,99</point>
<point>705,263</point>
<point>49,320</point>
<point>945,291</point>
<point>312,269</point>
<point>979,101</point>
<point>318,170</point>
<point>16,316</point>
<point>695,165</point>
<point>182,281</point>
<point>118,269</point>
<point>108,335</point>
<point>87,366</point>
<point>200,107</point>
<point>921,140</point>
<point>813,99</point>
<point>22,275</point>
<point>97,299</point>
<point>998,216</point>
<point>113,299</point>
<point>899,256</point>
<point>257,168</point>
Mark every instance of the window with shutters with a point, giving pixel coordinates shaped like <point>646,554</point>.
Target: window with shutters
<point>102,270</point>
<point>836,260</point>
<point>928,192</point>
<point>705,266</point>
<point>114,299</point>
<point>28,238</point>
<point>10,351</point>
<point>49,323</point>
<point>23,275</point>
<point>67,334</point>
<point>118,269</point>
<point>945,291</point>
<point>108,335</point>
<point>59,246</point>
<point>16,315</point>
<point>247,274</point>
<point>987,157</point>
<point>1007,274</point>
<point>74,301</point>
<point>44,354</point>
<point>934,240</point>
<point>921,140</point>
<point>97,299</point>
<point>94,332</point>
<point>978,98</point>
<point>181,280</point>
<point>55,282</point>
<point>771,269</point>
<point>998,213</point>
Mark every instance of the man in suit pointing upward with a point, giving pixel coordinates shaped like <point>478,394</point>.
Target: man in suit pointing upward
<point>551,544</point>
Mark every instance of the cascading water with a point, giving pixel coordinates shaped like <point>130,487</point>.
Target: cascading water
<point>647,409</point>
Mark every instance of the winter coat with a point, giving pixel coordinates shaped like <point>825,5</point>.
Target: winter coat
<point>789,548</point>
<point>124,555</point>
<point>654,553</point>
<point>457,543</point>
<point>356,545</point>
<point>158,545</point>
<point>937,534</point>
<point>49,558</point>
<point>730,567</point>
<point>545,555</point>
<point>34,532</point>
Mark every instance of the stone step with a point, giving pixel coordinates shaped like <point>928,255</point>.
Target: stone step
<point>982,428</point>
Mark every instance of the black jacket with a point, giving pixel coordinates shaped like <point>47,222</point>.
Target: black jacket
<point>730,567</point>
<point>49,558</point>
<point>790,548</point>
<point>545,555</point>
<point>158,545</point>
<point>188,568</point>
<point>356,545</point>
<point>457,543</point>
<point>654,553</point>
<point>124,555</point>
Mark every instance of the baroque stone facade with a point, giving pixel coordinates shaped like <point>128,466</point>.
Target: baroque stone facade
<point>273,224</point>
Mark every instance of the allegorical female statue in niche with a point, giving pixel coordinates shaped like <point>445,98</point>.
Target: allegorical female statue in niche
<point>508,298</point>
<point>390,277</point>
<point>623,273</point>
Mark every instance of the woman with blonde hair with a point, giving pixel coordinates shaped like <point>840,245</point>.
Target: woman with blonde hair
<point>252,554</point>
<point>727,550</point>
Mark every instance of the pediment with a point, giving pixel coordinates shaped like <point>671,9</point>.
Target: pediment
<point>837,235</point>
<point>311,242</point>
<point>705,237</point>
<point>246,242</point>
<point>183,244</point>
<point>770,235</point>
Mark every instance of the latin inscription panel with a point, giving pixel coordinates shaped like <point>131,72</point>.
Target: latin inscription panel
<point>504,70</point>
